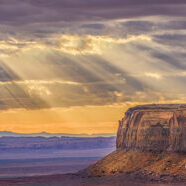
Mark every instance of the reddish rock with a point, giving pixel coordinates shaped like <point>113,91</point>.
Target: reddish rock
<point>151,145</point>
<point>153,128</point>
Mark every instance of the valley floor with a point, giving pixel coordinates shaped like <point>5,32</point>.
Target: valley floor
<point>120,168</point>
<point>77,180</point>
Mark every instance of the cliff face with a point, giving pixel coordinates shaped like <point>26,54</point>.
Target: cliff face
<point>153,128</point>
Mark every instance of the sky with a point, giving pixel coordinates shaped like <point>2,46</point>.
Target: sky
<point>75,66</point>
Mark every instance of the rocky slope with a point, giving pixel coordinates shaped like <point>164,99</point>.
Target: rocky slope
<point>151,145</point>
<point>146,166</point>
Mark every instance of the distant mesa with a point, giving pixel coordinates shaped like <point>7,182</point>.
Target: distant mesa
<point>151,144</point>
<point>15,142</point>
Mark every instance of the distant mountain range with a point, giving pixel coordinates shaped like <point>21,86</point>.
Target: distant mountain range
<point>45,134</point>
<point>9,143</point>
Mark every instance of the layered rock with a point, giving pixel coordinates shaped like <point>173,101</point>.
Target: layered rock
<point>153,128</point>
<point>151,145</point>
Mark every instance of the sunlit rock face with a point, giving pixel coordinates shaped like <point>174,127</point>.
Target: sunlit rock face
<point>153,128</point>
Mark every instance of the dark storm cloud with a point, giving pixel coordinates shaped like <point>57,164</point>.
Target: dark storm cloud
<point>93,26</point>
<point>171,39</point>
<point>28,11</point>
<point>138,27</point>
<point>100,3</point>
<point>141,27</point>
<point>25,19</point>
<point>175,61</point>
<point>174,25</point>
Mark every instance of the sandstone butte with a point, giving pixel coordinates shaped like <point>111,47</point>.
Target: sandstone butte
<point>150,144</point>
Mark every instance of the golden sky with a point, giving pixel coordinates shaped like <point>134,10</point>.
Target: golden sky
<point>76,120</point>
<point>77,71</point>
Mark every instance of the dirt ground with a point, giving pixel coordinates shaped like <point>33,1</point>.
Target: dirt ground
<point>77,180</point>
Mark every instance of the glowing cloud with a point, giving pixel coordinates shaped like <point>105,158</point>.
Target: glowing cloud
<point>88,44</point>
<point>71,44</point>
<point>153,75</point>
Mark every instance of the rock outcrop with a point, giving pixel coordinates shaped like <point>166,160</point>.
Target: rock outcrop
<point>151,145</point>
<point>153,128</point>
